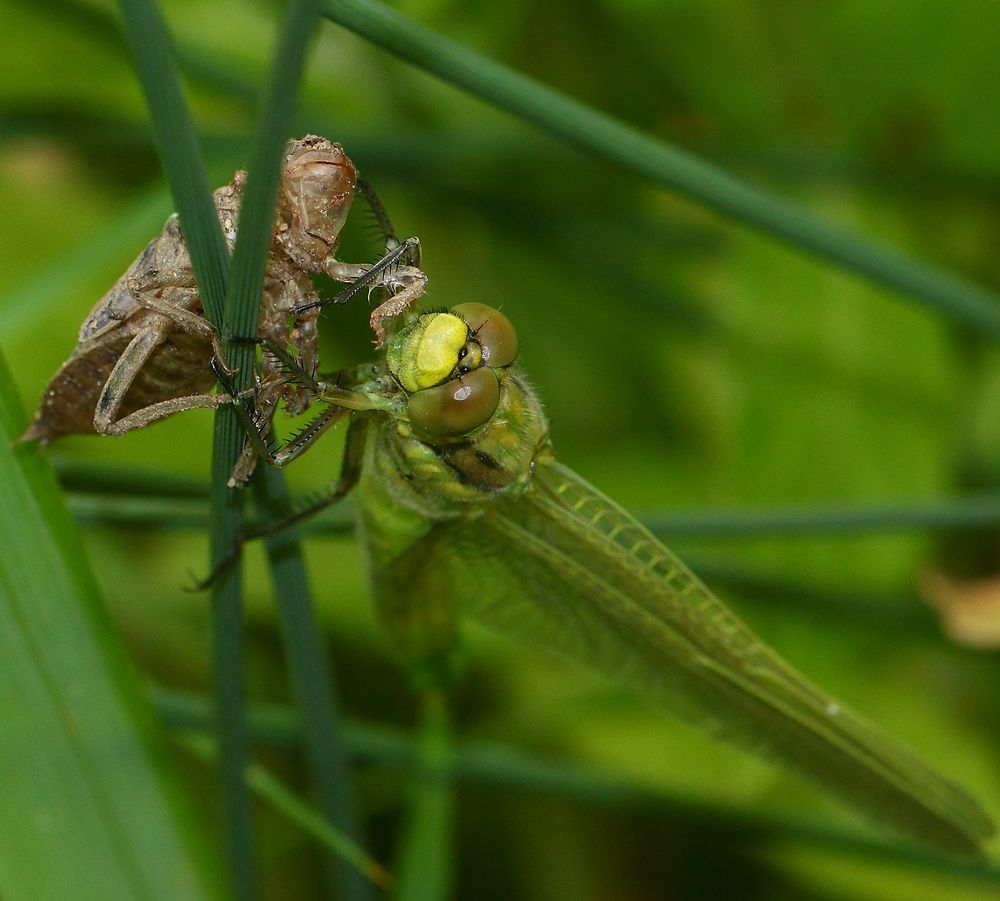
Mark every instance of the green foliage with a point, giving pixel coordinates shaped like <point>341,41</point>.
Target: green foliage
<point>686,364</point>
<point>90,808</point>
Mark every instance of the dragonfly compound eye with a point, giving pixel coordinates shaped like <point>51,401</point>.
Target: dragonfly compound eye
<point>493,331</point>
<point>428,353</point>
<point>457,407</point>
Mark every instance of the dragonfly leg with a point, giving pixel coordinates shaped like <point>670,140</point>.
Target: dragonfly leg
<point>398,271</point>
<point>382,221</point>
<point>384,224</point>
<point>350,471</point>
<point>280,364</point>
<point>394,270</point>
<point>287,362</point>
<point>342,402</point>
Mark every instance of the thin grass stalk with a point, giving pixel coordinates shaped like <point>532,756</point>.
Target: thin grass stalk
<point>177,144</point>
<point>241,314</point>
<point>972,512</point>
<point>293,808</point>
<point>426,865</point>
<point>509,768</point>
<point>692,177</point>
<point>312,682</point>
<point>977,511</point>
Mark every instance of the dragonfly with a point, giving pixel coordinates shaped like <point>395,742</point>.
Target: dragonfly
<point>463,509</point>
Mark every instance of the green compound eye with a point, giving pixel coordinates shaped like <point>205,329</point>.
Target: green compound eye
<point>494,332</point>
<point>457,407</point>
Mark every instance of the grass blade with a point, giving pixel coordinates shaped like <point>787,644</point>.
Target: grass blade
<point>973,511</point>
<point>509,768</point>
<point>285,801</point>
<point>242,311</point>
<point>606,137</point>
<point>89,808</point>
<point>177,145</point>
<point>426,865</point>
<point>312,680</point>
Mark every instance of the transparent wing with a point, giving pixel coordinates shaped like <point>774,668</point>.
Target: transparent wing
<point>566,568</point>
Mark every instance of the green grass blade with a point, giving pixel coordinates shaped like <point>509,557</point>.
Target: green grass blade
<point>312,680</point>
<point>425,869</point>
<point>257,213</point>
<point>286,802</point>
<point>606,137</point>
<point>227,658</point>
<point>177,144</point>
<point>508,768</point>
<point>90,812</point>
<point>241,313</point>
<point>973,511</point>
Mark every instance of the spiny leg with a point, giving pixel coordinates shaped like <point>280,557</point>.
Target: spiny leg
<point>300,375</point>
<point>255,447</point>
<point>398,271</point>
<point>385,224</point>
<point>277,363</point>
<point>405,282</point>
<point>361,276</point>
<point>377,208</point>
<point>412,285</point>
<point>342,402</point>
<point>281,455</point>
<point>350,472</point>
<point>256,432</point>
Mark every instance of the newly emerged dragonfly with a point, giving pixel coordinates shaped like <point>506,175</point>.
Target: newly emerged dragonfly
<point>463,509</point>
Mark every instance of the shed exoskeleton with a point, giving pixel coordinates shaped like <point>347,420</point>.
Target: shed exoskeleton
<point>145,350</point>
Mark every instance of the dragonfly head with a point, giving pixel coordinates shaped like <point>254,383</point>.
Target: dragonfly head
<point>451,364</point>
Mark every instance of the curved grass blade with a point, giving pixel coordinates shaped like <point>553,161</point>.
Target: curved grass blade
<point>426,857</point>
<point>272,790</point>
<point>595,585</point>
<point>670,166</point>
<point>509,768</point>
<point>88,808</point>
<point>177,145</point>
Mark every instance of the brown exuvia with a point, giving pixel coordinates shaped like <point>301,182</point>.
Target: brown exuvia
<point>146,348</point>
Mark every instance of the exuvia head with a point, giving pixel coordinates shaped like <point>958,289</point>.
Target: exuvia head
<point>317,187</point>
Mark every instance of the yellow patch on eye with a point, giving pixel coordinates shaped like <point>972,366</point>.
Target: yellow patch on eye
<point>437,350</point>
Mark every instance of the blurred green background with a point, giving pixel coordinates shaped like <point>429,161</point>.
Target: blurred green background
<point>686,364</point>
